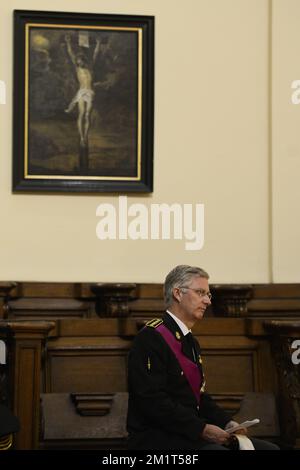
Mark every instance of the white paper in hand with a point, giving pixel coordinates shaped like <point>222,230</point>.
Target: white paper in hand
<point>245,424</point>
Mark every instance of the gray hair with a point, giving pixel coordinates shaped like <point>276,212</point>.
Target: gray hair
<point>180,276</point>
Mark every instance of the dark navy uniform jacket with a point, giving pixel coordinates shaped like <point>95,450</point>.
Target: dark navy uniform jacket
<point>163,412</point>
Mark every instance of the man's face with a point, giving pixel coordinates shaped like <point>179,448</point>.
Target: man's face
<point>191,301</point>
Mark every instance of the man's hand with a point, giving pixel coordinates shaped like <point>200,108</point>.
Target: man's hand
<point>212,433</point>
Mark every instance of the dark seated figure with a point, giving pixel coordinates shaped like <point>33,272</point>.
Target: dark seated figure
<point>9,424</point>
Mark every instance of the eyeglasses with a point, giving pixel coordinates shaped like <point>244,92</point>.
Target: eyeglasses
<point>200,292</point>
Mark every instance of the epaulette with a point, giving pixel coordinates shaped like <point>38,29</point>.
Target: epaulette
<point>154,323</point>
<point>6,442</point>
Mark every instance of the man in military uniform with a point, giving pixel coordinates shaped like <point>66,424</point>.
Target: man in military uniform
<point>168,407</point>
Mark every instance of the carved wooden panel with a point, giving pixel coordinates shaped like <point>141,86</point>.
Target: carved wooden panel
<point>87,363</point>
<point>49,308</point>
<point>230,372</point>
<point>284,334</point>
<point>141,301</point>
<point>87,372</point>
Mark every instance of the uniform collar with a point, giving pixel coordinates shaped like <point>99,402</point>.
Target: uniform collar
<point>179,330</point>
<point>183,328</point>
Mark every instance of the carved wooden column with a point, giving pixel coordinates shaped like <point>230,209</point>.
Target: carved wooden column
<point>230,300</point>
<point>113,299</point>
<point>5,289</point>
<point>25,371</point>
<point>283,335</point>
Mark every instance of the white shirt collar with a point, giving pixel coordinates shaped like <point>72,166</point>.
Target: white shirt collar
<point>184,329</point>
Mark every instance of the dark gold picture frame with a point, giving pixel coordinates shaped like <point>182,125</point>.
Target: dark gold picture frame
<point>83,102</point>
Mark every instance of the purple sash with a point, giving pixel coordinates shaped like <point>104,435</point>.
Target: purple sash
<point>190,369</point>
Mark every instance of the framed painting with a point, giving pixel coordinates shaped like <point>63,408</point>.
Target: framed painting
<point>83,102</point>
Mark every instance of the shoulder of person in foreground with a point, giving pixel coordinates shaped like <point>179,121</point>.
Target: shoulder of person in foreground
<point>148,332</point>
<point>147,342</point>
